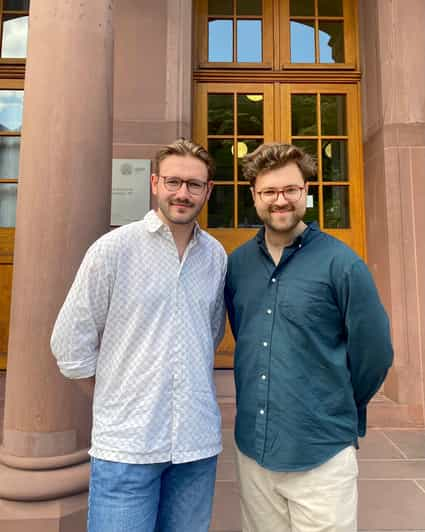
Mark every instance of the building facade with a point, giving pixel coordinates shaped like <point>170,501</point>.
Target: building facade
<point>342,78</point>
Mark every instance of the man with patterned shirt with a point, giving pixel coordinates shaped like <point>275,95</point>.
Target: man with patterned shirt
<point>141,323</point>
<point>312,348</point>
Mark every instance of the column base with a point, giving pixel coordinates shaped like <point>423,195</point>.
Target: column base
<point>68,514</point>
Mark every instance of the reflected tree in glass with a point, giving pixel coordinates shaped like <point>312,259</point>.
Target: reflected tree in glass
<point>222,153</point>
<point>304,114</point>
<point>220,114</point>
<point>250,114</point>
<point>331,42</point>
<point>336,207</point>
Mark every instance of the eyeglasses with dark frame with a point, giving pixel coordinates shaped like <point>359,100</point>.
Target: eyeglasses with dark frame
<point>291,193</point>
<point>174,183</point>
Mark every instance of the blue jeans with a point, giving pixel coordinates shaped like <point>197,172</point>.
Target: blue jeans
<point>151,497</point>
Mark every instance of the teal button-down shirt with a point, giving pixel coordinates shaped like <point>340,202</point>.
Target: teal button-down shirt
<point>312,348</point>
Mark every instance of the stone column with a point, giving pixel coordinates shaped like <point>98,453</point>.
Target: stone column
<point>63,205</point>
<point>393,65</point>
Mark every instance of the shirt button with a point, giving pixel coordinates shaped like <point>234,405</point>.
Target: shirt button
<point>299,245</point>
<point>265,344</point>
<point>262,412</point>
<point>273,280</point>
<point>263,377</point>
<point>269,311</point>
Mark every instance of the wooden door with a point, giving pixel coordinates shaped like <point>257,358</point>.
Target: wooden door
<point>233,119</point>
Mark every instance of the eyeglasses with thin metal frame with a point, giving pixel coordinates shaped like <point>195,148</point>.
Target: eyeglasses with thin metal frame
<point>291,193</point>
<point>174,183</point>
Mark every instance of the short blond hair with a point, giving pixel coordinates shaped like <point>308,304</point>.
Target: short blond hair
<point>183,147</point>
<point>273,156</point>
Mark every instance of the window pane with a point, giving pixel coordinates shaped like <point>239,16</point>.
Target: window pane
<point>15,36</point>
<point>9,157</point>
<point>250,114</point>
<point>220,41</point>
<point>334,160</point>
<point>331,42</point>
<point>16,5</point>
<point>8,192</point>
<point>302,8</point>
<point>250,7</point>
<point>304,115</point>
<point>333,114</point>
<point>336,212</point>
<point>246,146</point>
<point>222,153</point>
<point>302,42</point>
<point>220,207</point>
<point>220,114</point>
<point>312,211</point>
<point>11,103</point>
<point>330,8</point>
<point>247,215</point>
<point>249,41</point>
<point>310,147</point>
<point>220,7</point>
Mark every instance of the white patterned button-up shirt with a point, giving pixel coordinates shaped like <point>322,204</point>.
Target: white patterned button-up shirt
<point>147,324</point>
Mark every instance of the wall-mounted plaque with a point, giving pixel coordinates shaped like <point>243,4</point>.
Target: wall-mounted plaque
<point>130,190</point>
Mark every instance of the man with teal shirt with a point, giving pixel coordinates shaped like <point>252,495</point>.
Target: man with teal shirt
<point>312,348</point>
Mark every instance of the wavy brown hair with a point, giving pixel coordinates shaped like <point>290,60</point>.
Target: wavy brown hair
<point>184,147</point>
<point>272,156</point>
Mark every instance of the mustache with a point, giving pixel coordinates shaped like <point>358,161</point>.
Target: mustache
<point>181,202</point>
<point>287,208</point>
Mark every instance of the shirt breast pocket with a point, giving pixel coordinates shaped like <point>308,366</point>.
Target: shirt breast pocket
<point>308,301</point>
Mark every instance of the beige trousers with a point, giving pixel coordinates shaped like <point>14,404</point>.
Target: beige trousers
<point>323,499</point>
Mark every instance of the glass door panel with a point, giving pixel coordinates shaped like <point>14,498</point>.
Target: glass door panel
<point>324,120</point>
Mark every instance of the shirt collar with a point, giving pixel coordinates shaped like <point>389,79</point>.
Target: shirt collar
<point>154,224</point>
<point>303,238</point>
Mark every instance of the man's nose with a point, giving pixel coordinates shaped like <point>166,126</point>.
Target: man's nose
<point>281,200</point>
<point>183,191</point>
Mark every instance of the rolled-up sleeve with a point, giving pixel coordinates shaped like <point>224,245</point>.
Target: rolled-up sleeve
<point>79,326</point>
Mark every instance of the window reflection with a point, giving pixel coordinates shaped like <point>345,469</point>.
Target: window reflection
<point>250,115</point>
<point>11,103</point>
<point>330,8</point>
<point>336,207</point>
<point>250,7</point>
<point>9,157</point>
<point>220,207</point>
<point>304,115</point>
<point>220,114</point>
<point>220,41</point>
<point>15,36</point>
<point>220,7</point>
<point>333,113</point>
<point>334,160</point>
<point>302,42</point>
<point>310,147</point>
<point>8,194</point>
<point>301,8</point>
<point>249,41</point>
<point>250,145</point>
<point>222,153</point>
<point>312,211</point>
<point>331,42</point>
<point>247,215</point>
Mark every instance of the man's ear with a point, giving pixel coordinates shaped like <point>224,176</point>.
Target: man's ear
<point>154,184</point>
